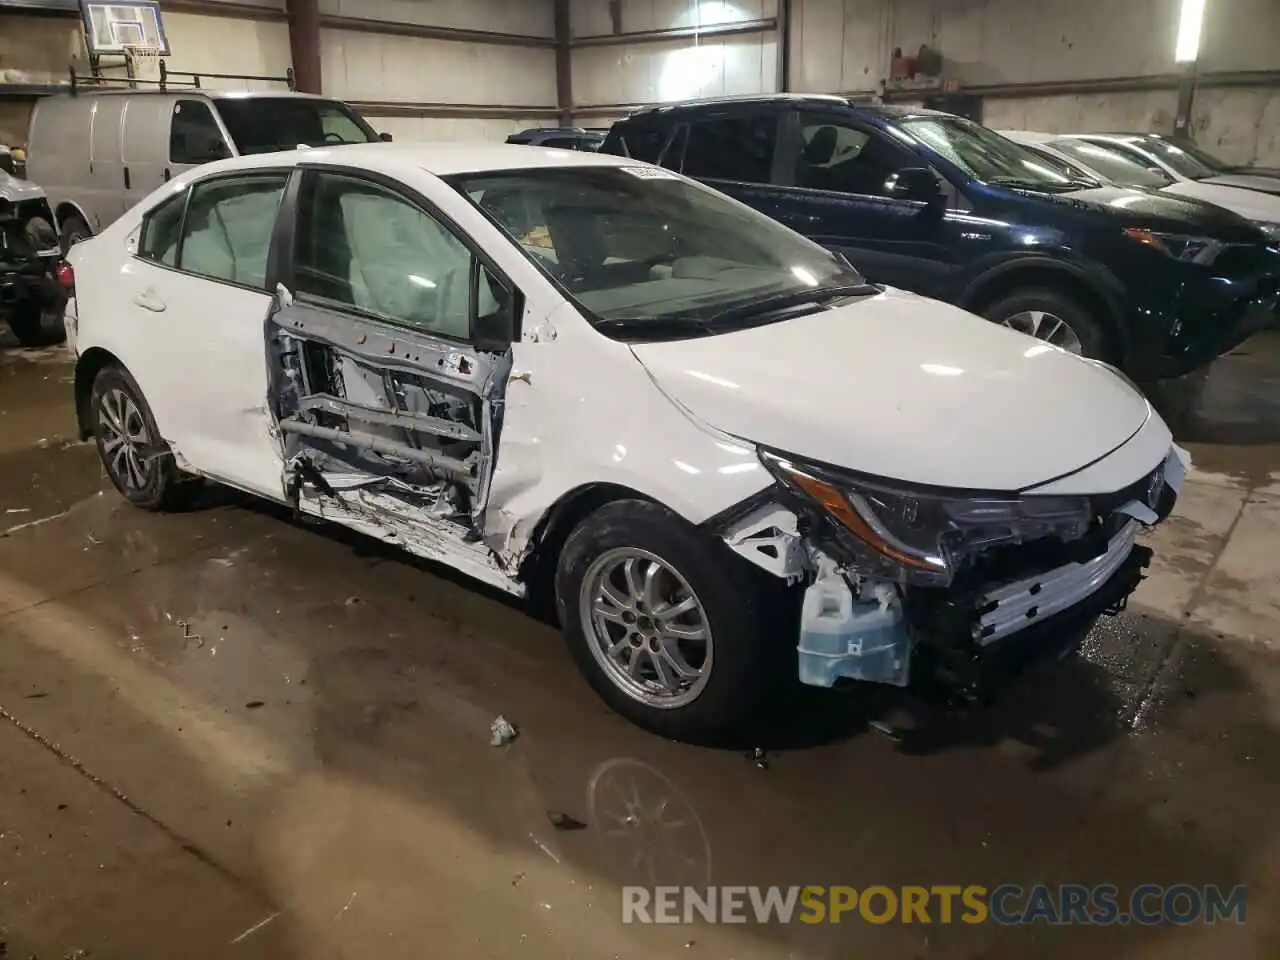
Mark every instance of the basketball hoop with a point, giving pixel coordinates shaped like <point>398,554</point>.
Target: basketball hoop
<point>142,57</point>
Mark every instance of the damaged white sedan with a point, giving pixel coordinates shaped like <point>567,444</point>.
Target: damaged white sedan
<point>731,459</point>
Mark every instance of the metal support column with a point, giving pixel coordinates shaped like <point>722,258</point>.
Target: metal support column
<point>784,46</point>
<point>564,63</point>
<point>304,43</point>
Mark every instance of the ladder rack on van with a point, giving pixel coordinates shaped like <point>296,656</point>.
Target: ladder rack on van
<point>169,78</point>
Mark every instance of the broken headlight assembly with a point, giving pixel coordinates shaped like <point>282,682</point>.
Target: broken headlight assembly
<point>920,535</point>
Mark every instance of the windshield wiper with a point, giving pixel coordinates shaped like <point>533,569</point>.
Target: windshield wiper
<point>1051,187</point>
<point>793,298</point>
<point>671,327</point>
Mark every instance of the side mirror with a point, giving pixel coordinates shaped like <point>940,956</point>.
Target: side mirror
<point>385,137</point>
<point>915,183</point>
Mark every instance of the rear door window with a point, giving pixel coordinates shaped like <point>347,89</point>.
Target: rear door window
<point>732,148</point>
<point>640,141</point>
<point>227,231</point>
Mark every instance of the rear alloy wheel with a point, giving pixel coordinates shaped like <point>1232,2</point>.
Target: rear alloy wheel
<point>1056,318</point>
<point>136,459</point>
<point>670,628</point>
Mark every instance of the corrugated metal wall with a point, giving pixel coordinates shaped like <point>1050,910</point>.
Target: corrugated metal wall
<point>844,45</point>
<point>676,69</point>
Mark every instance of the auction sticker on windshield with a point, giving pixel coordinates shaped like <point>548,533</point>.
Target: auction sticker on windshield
<point>651,173</point>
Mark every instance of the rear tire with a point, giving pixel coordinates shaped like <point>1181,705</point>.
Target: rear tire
<point>138,462</point>
<point>32,327</point>
<point>740,663</point>
<point>1045,308</point>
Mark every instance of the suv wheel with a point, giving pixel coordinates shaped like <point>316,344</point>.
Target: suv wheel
<point>1053,317</point>
<point>135,457</point>
<point>666,630</point>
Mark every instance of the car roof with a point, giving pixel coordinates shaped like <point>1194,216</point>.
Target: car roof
<point>440,158</point>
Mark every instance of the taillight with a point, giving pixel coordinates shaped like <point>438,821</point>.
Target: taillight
<point>66,277</point>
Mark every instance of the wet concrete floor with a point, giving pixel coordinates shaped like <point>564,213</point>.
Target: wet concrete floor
<point>224,734</point>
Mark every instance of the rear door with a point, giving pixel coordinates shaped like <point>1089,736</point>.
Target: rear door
<point>146,145</point>
<point>389,358</point>
<point>107,190</point>
<point>197,295</point>
<point>735,151</point>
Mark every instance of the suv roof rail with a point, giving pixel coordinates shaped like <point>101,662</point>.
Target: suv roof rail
<point>743,98</point>
<point>182,79</point>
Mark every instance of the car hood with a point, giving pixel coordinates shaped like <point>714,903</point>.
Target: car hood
<point>906,388</point>
<point>14,190</point>
<point>1250,204</point>
<point>1264,183</point>
<point>1162,211</point>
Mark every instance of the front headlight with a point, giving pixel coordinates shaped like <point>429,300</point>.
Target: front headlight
<point>924,536</point>
<point>1201,250</point>
<point>1272,230</point>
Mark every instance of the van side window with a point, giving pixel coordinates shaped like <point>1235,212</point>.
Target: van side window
<point>835,155</point>
<point>160,231</point>
<point>732,148</point>
<point>227,231</point>
<point>194,135</point>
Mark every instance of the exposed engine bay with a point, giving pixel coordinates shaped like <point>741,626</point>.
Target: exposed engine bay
<point>956,631</point>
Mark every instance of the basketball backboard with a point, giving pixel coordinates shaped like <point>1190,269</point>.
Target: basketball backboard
<point>114,27</point>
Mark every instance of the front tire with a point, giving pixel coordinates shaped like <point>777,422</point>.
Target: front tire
<point>136,459</point>
<point>666,624</point>
<point>1054,317</point>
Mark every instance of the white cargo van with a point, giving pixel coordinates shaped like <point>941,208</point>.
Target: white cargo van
<point>98,152</point>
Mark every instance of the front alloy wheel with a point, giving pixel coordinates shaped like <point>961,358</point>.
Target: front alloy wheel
<point>648,630</point>
<point>669,627</point>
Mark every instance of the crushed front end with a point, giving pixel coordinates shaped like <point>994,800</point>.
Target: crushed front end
<point>948,593</point>
<point>31,297</point>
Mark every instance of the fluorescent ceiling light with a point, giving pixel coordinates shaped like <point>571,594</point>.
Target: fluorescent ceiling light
<point>1189,23</point>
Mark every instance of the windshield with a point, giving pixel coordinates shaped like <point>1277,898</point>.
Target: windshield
<point>642,248</point>
<point>268,124</point>
<point>986,155</point>
<point>1187,160</point>
<point>1113,165</point>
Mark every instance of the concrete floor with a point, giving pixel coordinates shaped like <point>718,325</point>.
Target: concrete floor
<point>228,735</point>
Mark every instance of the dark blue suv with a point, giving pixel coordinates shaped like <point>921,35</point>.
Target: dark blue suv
<point>940,205</point>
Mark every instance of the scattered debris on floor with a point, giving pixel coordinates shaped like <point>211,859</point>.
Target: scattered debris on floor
<point>760,758</point>
<point>253,704</point>
<point>562,821</point>
<point>255,928</point>
<point>502,731</point>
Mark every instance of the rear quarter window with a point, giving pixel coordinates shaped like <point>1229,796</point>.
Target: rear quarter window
<point>640,141</point>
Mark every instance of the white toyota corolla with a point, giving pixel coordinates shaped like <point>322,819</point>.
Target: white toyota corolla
<point>732,459</point>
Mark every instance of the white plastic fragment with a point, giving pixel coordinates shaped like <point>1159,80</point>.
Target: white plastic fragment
<point>501,731</point>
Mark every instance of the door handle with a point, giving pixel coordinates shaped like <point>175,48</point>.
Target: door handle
<point>147,300</point>
<point>524,375</point>
<point>166,174</point>
<point>127,184</point>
